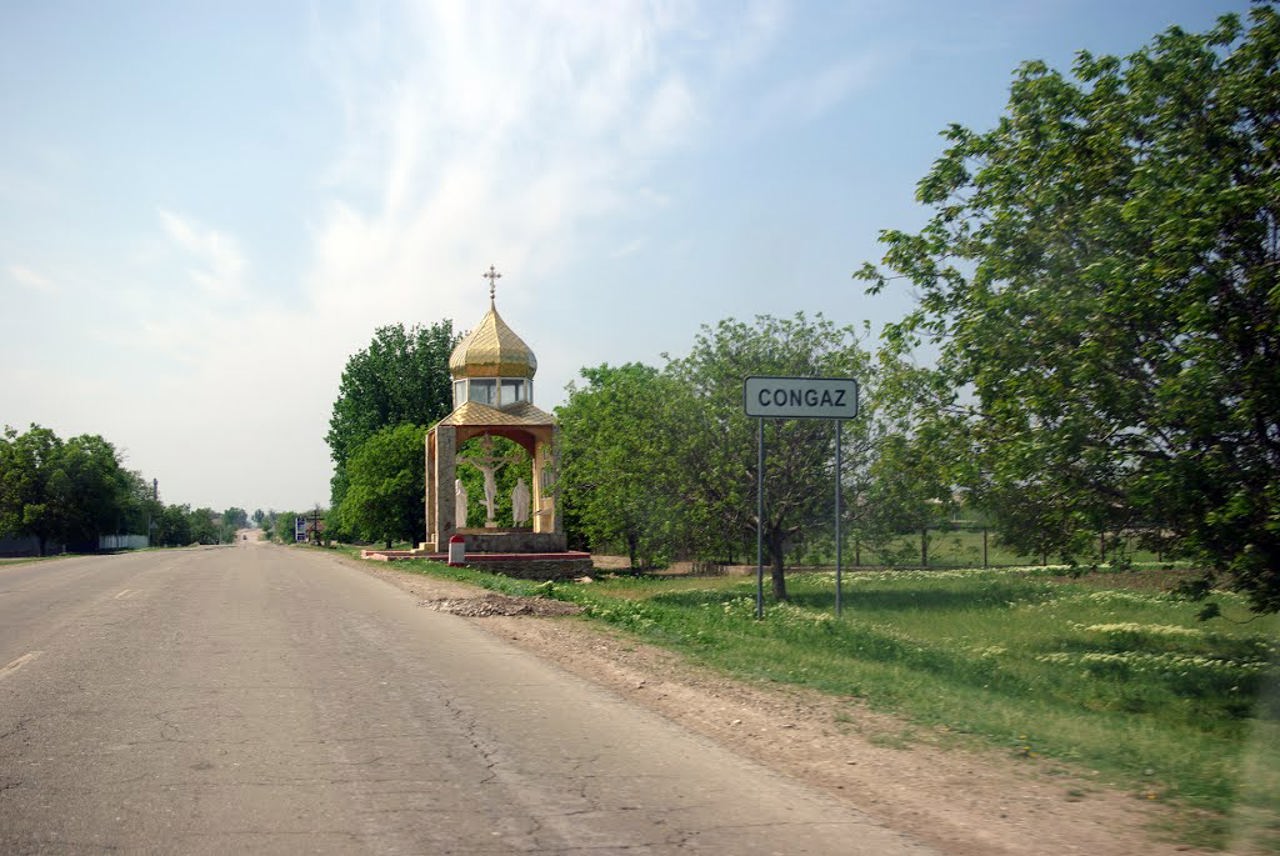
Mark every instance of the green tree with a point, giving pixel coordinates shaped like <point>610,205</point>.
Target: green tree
<point>70,492</point>
<point>236,518</point>
<point>384,498</point>
<point>174,526</point>
<point>620,435</point>
<point>908,493</point>
<point>283,525</point>
<point>719,455</point>
<point>205,527</point>
<point>401,378</point>
<point>91,492</point>
<point>27,462</point>
<point>861,442</point>
<point>143,510</point>
<point>1102,270</point>
<point>922,454</point>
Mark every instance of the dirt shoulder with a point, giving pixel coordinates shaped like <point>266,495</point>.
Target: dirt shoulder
<point>963,801</point>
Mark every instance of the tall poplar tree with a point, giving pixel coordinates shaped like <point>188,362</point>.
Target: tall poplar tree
<point>401,378</point>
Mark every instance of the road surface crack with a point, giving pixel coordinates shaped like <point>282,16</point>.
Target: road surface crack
<point>18,728</point>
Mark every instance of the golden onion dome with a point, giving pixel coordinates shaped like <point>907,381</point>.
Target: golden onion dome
<point>492,349</point>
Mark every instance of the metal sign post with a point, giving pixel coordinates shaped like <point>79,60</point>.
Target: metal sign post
<point>796,398</point>
<point>759,518</point>
<point>839,471</point>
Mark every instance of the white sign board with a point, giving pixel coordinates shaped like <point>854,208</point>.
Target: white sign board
<point>801,397</point>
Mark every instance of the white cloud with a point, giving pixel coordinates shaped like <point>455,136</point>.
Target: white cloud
<point>809,97</point>
<point>29,278</point>
<point>672,114</point>
<point>629,248</point>
<point>749,42</point>
<point>483,133</point>
<point>220,263</point>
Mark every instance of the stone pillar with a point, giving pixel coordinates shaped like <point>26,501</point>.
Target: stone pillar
<point>442,449</point>
<point>553,484</point>
<point>429,492</point>
<point>546,511</point>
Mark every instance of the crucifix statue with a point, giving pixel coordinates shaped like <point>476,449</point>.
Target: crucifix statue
<point>489,462</point>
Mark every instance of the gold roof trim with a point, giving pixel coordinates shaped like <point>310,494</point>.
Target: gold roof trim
<point>520,414</point>
<point>492,349</point>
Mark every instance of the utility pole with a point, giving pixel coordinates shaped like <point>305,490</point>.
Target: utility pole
<point>155,497</point>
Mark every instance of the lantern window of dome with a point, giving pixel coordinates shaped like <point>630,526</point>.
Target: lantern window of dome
<point>514,389</point>
<point>494,392</point>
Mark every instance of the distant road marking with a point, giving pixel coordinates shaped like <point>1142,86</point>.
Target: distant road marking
<point>17,664</point>
<point>126,593</point>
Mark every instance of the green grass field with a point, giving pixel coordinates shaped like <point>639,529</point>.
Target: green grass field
<point>1105,672</point>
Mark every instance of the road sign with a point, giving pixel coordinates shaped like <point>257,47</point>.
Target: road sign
<point>834,398</point>
<point>800,397</point>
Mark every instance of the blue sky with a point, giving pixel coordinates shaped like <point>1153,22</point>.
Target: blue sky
<point>206,208</point>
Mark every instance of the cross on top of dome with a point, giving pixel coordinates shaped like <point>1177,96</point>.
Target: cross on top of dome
<point>493,276</point>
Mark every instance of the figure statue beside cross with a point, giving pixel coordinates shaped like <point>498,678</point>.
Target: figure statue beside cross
<point>520,498</point>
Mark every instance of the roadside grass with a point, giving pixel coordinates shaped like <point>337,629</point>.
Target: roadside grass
<point>1120,682</point>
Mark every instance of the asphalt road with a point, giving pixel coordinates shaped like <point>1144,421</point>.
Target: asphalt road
<point>255,699</point>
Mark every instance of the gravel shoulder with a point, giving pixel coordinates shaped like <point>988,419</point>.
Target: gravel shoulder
<point>964,801</point>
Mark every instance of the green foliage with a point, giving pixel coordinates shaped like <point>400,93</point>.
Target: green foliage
<point>1102,270</point>
<point>921,453</point>
<point>385,477</point>
<point>236,518</point>
<point>401,378</point>
<point>207,527</point>
<point>621,435</point>
<point>283,527</point>
<point>174,528</point>
<point>182,526</point>
<point>26,463</point>
<point>66,492</point>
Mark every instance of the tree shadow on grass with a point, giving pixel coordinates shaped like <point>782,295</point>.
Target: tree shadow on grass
<point>918,598</point>
<point>698,597</point>
<point>903,599</point>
